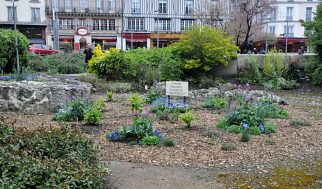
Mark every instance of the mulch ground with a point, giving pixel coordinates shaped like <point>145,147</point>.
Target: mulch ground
<point>193,147</point>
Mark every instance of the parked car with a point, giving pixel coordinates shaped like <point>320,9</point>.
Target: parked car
<point>41,49</point>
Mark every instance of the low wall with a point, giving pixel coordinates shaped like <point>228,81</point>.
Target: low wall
<point>31,97</point>
<point>234,66</point>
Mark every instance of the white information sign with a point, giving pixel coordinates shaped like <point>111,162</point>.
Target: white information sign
<point>177,88</point>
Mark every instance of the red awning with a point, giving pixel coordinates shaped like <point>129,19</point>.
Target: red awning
<point>136,40</point>
<point>64,37</point>
<point>136,37</point>
<point>292,39</point>
<point>104,38</point>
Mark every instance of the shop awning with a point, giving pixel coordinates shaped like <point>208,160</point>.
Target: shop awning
<point>64,37</point>
<point>104,38</point>
<point>292,39</point>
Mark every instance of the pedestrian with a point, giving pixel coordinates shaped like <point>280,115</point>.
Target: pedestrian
<point>301,50</point>
<point>88,53</point>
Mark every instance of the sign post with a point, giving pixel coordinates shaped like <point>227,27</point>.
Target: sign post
<point>177,88</point>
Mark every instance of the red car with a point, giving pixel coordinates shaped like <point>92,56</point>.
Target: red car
<point>41,49</point>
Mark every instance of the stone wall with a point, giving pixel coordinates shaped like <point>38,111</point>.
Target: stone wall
<point>234,66</point>
<point>31,97</point>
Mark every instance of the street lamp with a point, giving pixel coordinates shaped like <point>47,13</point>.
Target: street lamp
<point>16,35</point>
<point>122,7</point>
<point>286,36</point>
<point>266,43</point>
<point>157,11</point>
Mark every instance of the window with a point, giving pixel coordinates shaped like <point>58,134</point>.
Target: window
<point>55,4</point>
<point>163,25</point>
<point>82,22</point>
<point>186,24</point>
<point>308,16</point>
<point>68,4</point>
<point>188,6</point>
<point>272,30</point>
<point>83,4</point>
<point>99,6</point>
<point>10,13</point>
<point>66,24</point>
<point>103,24</point>
<point>135,24</point>
<point>163,6</point>
<point>111,24</point>
<point>35,14</point>
<point>136,6</point>
<point>96,24</point>
<point>288,31</point>
<point>273,15</point>
<point>111,6</point>
<point>289,13</point>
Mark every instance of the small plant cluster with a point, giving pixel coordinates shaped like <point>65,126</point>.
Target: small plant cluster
<point>300,123</point>
<point>188,118</point>
<point>215,102</point>
<point>251,73</point>
<point>79,110</point>
<point>56,158</point>
<point>168,111</point>
<point>23,76</point>
<point>250,114</point>
<point>274,68</point>
<point>141,131</point>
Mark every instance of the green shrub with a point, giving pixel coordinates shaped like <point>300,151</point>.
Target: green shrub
<point>67,48</point>
<point>234,129</point>
<point>136,103</point>
<point>215,102</point>
<point>8,61</point>
<point>250,74</point>
<point>55,158</point>
<point>109,95</point>
<point>71,63</point>
<point>228,147</point>
<point>300,123</point>
<point>151,140</point>
<point>273,64</point>
<point>313,67</point>
<point>70,68</point>
<point>93,116</point>
<point>99,103</point>
<point>245,136</point>
<point>254,130</point>
<point>281,83</point>
<point>168,142</point>
<point>270,128</point>
<point>152,95</point>
<point>188,118</point>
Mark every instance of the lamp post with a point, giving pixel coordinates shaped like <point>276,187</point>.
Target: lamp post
<point>157,11</point>
<point>286,36</point>
<point>122,7</point>
<point>266,43</point>
<point>16,36</point>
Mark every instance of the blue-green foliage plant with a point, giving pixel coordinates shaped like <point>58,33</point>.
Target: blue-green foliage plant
<point>79,110</point>
<point>251,114</point>
<point>142,127</point>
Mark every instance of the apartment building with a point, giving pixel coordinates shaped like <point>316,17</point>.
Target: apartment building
<point>30,18</point>
<point>82,22</point>
<point>284,22</point>
<point>147,22</point>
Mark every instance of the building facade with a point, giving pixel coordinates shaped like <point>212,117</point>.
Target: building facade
<point>82,22</point>
<point>30,18</point>
<point>284,22</point>
<point>151,23</point>
<point>124,24</point>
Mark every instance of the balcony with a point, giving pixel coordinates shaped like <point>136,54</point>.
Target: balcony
<point>289,18</point>
<point>76,8</point>
<point>289,34</point>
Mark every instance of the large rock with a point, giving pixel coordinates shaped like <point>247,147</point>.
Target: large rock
<point>33,97</point>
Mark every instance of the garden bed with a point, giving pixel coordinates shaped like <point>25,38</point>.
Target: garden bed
<point>193,146</point>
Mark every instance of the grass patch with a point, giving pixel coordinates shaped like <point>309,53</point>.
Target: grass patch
<point>228,147</point>
<point>299,123</point>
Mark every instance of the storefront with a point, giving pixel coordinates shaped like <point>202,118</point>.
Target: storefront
<point>106,42</point>
<point>136,40</point>
<point>293,44</point>
<point>165,39</point>
<point>34,33</point>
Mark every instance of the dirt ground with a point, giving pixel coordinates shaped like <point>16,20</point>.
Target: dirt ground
<point>197,160</point>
